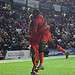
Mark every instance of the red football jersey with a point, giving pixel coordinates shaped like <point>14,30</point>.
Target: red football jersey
<point>40,30</point>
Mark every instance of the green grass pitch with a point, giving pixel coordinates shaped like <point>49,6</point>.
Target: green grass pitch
<point>59,66</point>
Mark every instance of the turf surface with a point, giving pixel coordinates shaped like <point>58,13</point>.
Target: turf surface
<point>59,66</point>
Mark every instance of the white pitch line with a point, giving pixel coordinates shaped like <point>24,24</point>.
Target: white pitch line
<point>23,60</point>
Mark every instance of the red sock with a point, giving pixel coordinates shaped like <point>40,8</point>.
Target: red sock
<point>60,48</point>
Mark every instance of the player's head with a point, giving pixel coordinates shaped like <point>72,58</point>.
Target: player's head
<point>36,12</point>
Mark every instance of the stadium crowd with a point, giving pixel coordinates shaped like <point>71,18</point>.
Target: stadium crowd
<point>65,32</point>
<point>14,29</point>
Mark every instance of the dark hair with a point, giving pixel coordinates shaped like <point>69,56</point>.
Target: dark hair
<point>36,12</point>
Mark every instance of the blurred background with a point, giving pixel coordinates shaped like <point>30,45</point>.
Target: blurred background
<point>14,24</point>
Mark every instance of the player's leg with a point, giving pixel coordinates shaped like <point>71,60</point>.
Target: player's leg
<point>63,50</point>
<point>46,36</point>
<point>60,48</point>
<point>35,57</point>
<point>54,44</point>
<point>41,65</point>
<point>42,48</point>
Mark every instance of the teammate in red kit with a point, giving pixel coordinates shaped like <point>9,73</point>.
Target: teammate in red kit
<point>40,35</point>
